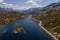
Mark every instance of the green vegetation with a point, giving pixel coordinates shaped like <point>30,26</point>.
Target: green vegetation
<point>50,18</point>
<point>8,17</point>
<point>57,30</point>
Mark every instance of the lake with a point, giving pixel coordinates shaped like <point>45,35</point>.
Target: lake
<point>32,31</point>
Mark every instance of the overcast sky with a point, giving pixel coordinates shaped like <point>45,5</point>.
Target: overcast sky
<point>25,4</point>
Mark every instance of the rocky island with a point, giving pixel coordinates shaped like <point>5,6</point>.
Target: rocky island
<point>18,29</point>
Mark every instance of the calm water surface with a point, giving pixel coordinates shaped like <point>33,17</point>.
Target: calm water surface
<point>32,31</point>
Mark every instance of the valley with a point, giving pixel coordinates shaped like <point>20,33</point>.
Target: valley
<point>46,19</point>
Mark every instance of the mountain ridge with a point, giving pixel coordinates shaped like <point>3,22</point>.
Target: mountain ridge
<point>35,10</point>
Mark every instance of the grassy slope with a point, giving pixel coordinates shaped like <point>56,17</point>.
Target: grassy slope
<point>8,17</point>
<point>51,18</point>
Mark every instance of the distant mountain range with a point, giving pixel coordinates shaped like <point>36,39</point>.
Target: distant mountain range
<point>53,5</point>
<point>31,10</point>
<point>40,10</point>
<point>6,9</point>
<point>34,10</point>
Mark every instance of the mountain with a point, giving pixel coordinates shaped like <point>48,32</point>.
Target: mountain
<point>6,9</point>
<point>48,11</point>
<point>40,9</point>
<point>51,6</point>
<point>50,18</point>
<point>35,10</point>
<point>1,9</point>
<point>29,11</point>
<point>8,16</point>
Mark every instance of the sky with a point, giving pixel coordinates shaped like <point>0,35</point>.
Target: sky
<point>25,4</point>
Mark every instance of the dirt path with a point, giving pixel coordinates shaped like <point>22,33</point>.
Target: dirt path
<point>54,28</point>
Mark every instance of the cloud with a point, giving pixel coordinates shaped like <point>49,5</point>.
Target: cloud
<point>7,5</point>
<point>34,3</point>
<point>15,7</point>
<point>21,7</point>
<point>1,1</point>
<point>37,0</point>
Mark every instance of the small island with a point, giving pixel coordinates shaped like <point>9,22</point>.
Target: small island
<point>18,29</point>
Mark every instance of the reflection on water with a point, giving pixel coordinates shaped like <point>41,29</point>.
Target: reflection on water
<point>32,31</point>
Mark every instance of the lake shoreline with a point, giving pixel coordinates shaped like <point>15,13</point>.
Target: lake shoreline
<point>40,24</point>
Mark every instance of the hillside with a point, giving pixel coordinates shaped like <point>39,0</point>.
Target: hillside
<point>9,17</point>
<point>50,20</point>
